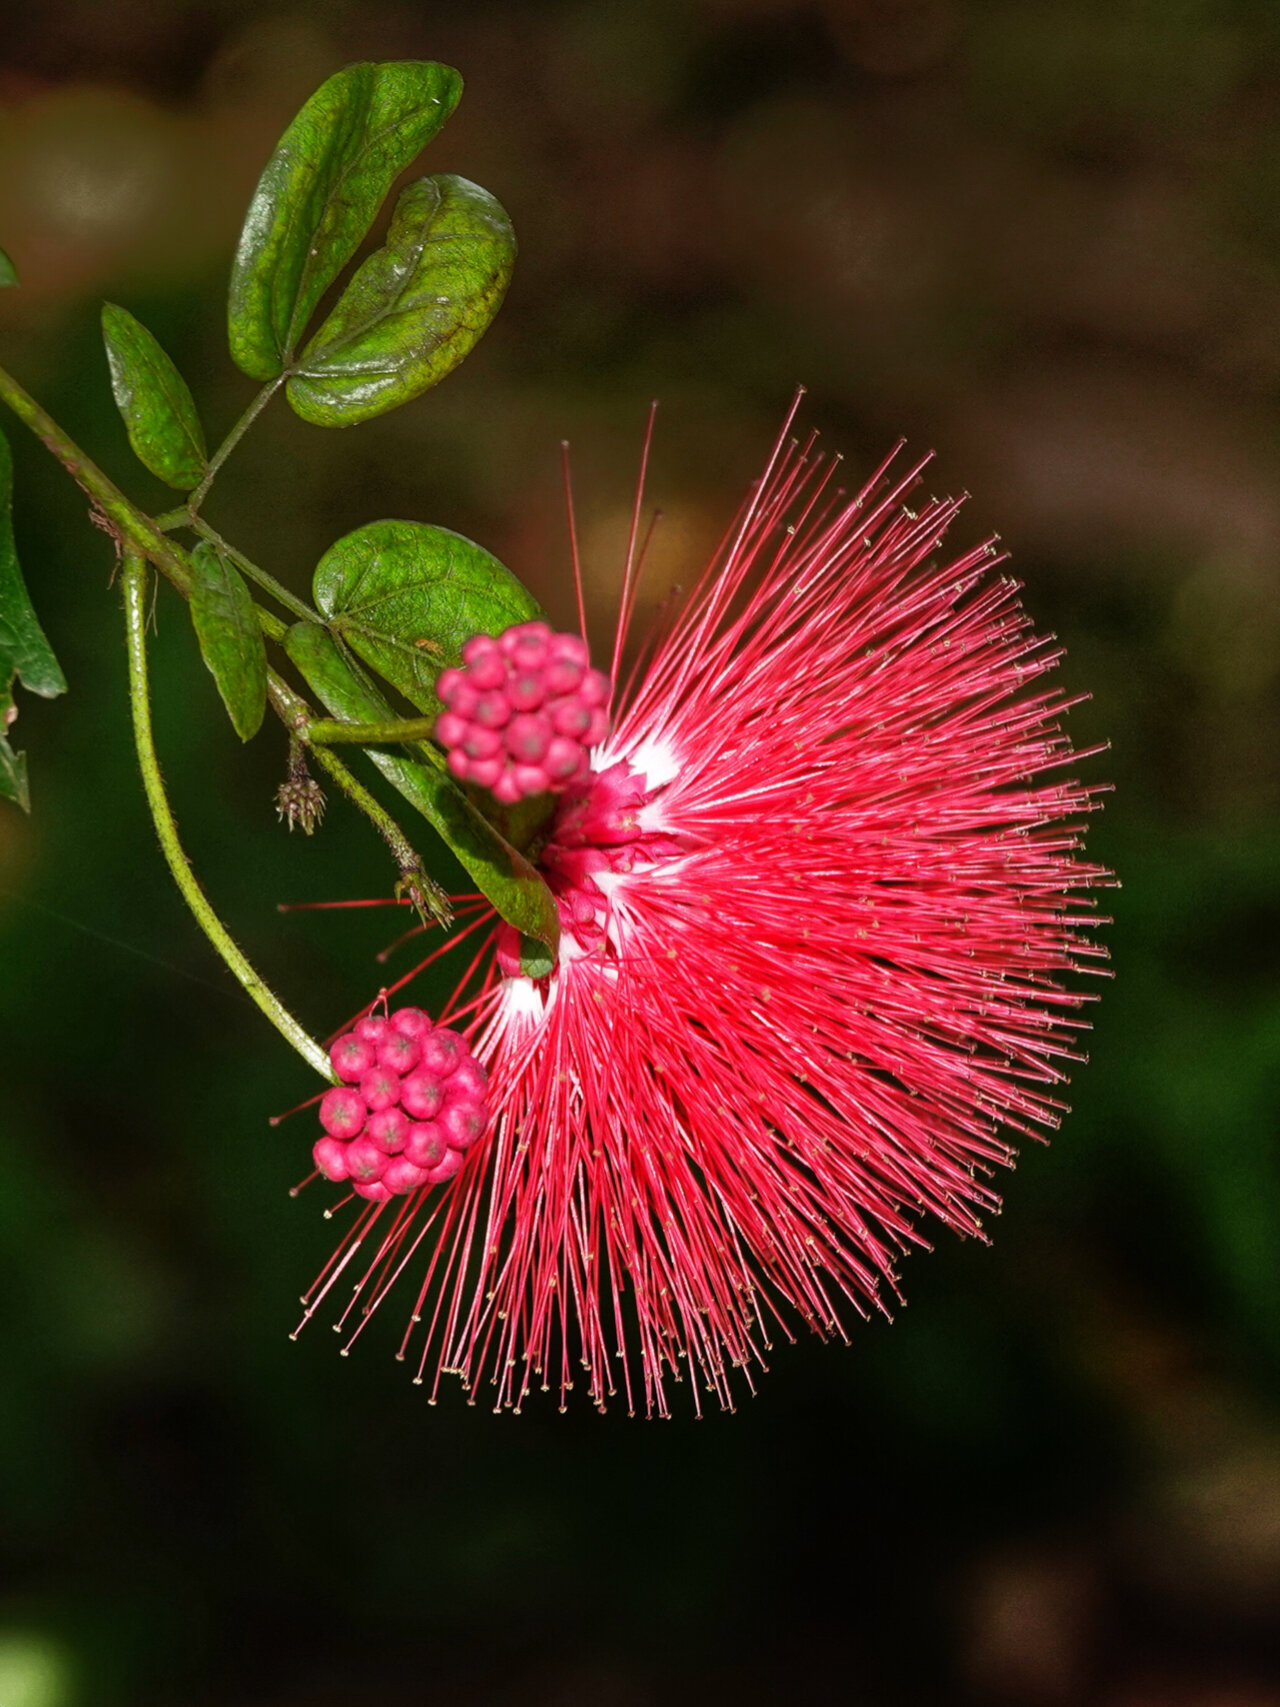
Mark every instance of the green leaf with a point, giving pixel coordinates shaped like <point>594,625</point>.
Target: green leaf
<point>319,194</point>
<point>415,307</point>
<point>501,873</point>
<point>407,597</point>
<point>24,651</point>
<point>230,638</point>
<point>8,272</point>
<point>152,396</point>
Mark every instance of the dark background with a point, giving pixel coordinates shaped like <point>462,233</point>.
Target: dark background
<point>1041,235</point>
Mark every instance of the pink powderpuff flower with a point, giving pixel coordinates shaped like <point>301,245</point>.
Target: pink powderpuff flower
<point>818,894</point>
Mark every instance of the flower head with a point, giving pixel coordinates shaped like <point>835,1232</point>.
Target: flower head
<point>818,891</point>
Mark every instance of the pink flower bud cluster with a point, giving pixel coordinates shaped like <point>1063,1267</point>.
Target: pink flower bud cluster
<point>524,710</point>
<point>411,1101</point>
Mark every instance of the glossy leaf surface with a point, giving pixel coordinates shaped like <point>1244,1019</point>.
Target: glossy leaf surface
<point>320,192</point>
<point>154,400</point>
<point>25,654</point>
<point>407,597</point>
<point>415,307</point>
<point>230,637</point>
<point>501,873</point>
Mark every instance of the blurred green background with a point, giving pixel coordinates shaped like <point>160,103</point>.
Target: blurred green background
<point>1041,235</point>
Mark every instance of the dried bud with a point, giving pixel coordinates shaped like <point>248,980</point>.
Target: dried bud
<point>428,900</point>
<point>300,799</point>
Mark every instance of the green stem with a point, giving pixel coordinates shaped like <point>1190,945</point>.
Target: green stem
<point>232,439</point>
<point>117,515</point>
<point>137,535</point>
<point>266,581</point>
<point>425,893</point>
<point>325,730</point>
<point>126,524</point>
<point>135,590</point>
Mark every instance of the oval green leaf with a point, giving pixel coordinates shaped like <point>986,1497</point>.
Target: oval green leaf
<point>319,194</point>
<point>414,308</point>
<point>155,402</point>
<point>25,654</point>
<point>501,873</point>
<point>230,637</point>
<point>407,597</point>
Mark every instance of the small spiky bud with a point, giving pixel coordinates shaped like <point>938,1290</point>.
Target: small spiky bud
<point>429,901</point>
<point>299,798</point>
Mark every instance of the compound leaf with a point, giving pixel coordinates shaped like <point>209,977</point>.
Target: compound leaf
<point>320,192</point>
<point>414,308</point>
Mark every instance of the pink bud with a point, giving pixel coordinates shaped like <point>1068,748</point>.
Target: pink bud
<point>570,648</point>
<point>488,673</point>
<point>402,1176</point>
<point>461,697</point>
<point>581,907</point>
<point>459,764</point>
<point>481,743</point>
<point>387,1128</point>
<point>342,1111</point>
<point>562,675</point>
<point>507,789</point>
<point>463,1123</point>
<point>528,737</point>
<point>370,1029</point>
<point>330,1156</point>
<point>424,1144</point>
<point>598,727</point>
<point>470,1083</point>
<point>365,1161</point>
<point>492,710</point>
<point>421,1096</point>
<point>570,717</point>
<point>529,651</point>
<point>446,1168</point>
<point>450,728</point>
<point>412,1022</point>
<point>398,1053</point>
<point>506,951</point>
<point>595,688</point>
<point>351,1057</point>
<point>374,1192</point>
<point>380,1088</point>
<point>479,649</point>
<point>529,779</point>
<point>525,691</point>
<point>442,1051</point>
<point>485,772</point>
<point>560,760</point>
